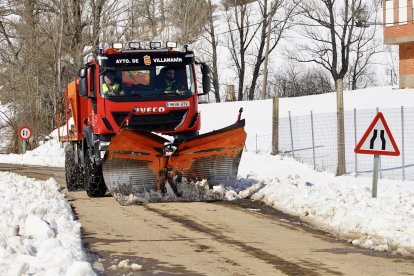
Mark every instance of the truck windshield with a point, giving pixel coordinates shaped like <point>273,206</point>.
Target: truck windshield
<point>154,81</point>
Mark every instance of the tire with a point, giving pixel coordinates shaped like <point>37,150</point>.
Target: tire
<point>94,182</point>
<point>73,171</point>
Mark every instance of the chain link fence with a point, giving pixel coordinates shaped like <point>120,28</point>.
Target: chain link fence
<point>312,139</point>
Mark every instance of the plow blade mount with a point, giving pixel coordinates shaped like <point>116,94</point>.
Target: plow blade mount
<point>140,166</point>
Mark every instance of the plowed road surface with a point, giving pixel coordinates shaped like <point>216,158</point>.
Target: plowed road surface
<point>220,238</point>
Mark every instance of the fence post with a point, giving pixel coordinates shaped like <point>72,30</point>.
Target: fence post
<point>380,165</point>
<point>230,93</point>
<point>355,139</point>
<point>313,142</point>
<point>291,135</point>
<point>275,126</point>
<point>402,143</point>
<point>256,142</point>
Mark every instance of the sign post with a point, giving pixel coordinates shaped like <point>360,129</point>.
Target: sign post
<point>377,140</point>
<point>375,176</point>
<point>24,133</point>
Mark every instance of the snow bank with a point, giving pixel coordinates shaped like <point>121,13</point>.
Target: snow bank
<point>339,205</point>
<point>38,232</point>
<point>50,154</point>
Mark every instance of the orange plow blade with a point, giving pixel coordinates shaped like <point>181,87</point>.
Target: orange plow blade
<point>214,156</point>
<point>143,167</point>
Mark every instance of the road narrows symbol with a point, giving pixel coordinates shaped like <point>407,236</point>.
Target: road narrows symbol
<point>382,139</point>
<point>374,137</point>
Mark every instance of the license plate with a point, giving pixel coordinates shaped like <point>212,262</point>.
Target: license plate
<point>178,104</point>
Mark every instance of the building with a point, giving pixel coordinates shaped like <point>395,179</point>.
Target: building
<point>399,30</point>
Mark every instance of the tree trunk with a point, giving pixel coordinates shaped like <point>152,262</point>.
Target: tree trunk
<point>214,57</point>
<point>341,168</point>
<point>97,7</point>
<point>259,56</point>
<point>241,82</point>
<point>266,61</point>
<point>216,84</point>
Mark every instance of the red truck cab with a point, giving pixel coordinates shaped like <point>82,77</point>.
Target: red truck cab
<point>142,80</point>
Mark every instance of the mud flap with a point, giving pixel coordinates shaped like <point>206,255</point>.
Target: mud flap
<point>138,164</point>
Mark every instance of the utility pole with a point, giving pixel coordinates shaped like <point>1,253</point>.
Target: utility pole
<point>266,60</point>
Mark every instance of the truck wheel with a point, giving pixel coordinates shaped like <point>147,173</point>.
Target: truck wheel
<point>73,171</point>
<point>94,182</point>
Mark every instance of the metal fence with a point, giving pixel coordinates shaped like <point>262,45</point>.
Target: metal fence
<point>312,139</point>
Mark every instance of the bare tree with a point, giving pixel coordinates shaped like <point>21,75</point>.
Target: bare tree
<point>365,48</point>
<point>239,17</point>
<point>146,20</point>
<point>294,81</point>
<point>44,42</point>
<point>285,10</point>
<point>190,17</point>
<point>392,63</point>
<point>209,49</point>
<point>330,26</point>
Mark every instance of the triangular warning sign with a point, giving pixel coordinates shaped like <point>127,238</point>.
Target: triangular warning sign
<point>378,139</point>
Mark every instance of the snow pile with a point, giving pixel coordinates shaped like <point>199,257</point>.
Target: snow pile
<point>188,191</point>
<point>124,265</point>
<point>340,205</point>
<point>38,232</point>
<point>49,153</point>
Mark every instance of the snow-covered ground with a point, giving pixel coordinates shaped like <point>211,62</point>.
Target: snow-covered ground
<point>50,154</point>
<point>38,232</point>
<point>341,205</point>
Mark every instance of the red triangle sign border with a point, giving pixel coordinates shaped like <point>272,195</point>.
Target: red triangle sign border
<point>358,147</point>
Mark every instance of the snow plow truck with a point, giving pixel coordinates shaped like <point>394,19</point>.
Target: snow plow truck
<point>134,127</point>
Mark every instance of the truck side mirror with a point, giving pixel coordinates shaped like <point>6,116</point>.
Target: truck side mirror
<point>205,70</point>
<point>83,82</point>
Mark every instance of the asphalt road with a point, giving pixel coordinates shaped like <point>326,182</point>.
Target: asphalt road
<point>216,238</point>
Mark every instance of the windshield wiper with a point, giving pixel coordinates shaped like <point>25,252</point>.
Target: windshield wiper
<point>169,93</point>
<point>127,95</point>
<point>176,92</point>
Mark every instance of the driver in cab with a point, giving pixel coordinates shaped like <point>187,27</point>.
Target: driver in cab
<point>169,82</point>
<point>110,87</point>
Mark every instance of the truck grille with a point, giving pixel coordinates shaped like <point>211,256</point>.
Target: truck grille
<point>155,122</point>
